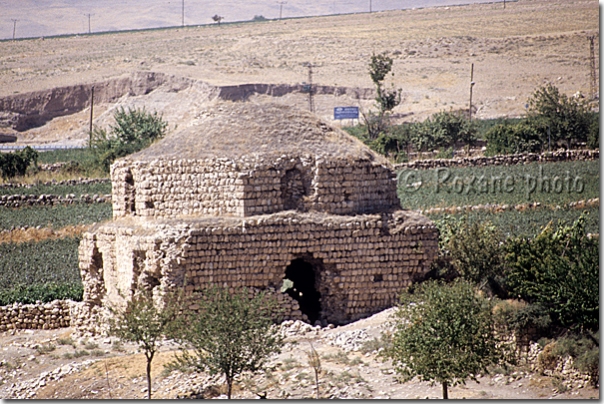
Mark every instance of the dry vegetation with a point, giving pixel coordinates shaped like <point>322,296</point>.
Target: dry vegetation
<point>513,49</point>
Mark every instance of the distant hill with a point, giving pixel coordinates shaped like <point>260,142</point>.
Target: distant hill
<point>37,18</point>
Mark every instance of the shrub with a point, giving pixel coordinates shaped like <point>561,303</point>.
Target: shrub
<point>521,137</point>
<point>445,129</point>
<point>559,268</point>
<point>17,162</point>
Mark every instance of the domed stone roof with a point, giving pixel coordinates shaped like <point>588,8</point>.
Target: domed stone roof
<point>234,130</point>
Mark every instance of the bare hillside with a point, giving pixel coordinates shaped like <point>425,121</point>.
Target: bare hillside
<point>513,50</point>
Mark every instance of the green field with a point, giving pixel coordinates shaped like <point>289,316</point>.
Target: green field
<point>548,183</point>
<point>44,270</point>
<point>54,216</point>
<point>530,222</point>
<point>82,156</point>
<point>77,190</point>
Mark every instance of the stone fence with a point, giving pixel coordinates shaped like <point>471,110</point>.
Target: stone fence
<point>76,181</point>
<point>19,200</point>
<point>505,160</point>
<point>45,316</point>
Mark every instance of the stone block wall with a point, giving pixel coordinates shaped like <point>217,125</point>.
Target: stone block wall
<point>168,188</point>
<point>216,187</point>
<point>44,316</point>
<point>360,263</point>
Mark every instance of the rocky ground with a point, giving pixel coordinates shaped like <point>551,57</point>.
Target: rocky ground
<point>56,364</point>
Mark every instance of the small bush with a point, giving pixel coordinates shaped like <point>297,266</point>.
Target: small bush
<point>66,341</point>
<point>17,162</point>
<point>506,138</point>
<point>584,351</point>
<point>45,349</point>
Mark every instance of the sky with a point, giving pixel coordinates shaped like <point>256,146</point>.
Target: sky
<point>37,18</point>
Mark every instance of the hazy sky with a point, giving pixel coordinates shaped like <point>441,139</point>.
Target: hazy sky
<point>37,18</point>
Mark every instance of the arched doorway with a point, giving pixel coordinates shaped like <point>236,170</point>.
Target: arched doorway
<point>303,288</point>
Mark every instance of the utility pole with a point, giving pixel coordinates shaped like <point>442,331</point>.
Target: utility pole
<point>89,31</point>
<point>281,3</point>
<point>183,13</point>
<point>471,86</point>
<point>504,4</point>
<point>91,115</point>
<point>592,67</point>
<point>14,27</point>
<point>370,6</point>
<point>311,101</point>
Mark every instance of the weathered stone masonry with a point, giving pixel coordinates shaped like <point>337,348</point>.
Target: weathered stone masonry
<point>284,203</point>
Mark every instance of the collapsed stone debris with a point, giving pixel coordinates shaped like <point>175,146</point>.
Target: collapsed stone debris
<point>260,196</point>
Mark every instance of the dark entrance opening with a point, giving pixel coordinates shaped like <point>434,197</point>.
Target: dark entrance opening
<point>302,274</point>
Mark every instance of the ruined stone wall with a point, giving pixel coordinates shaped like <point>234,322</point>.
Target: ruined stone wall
<point>361,263</point>
<point>365,261</point>
<point>216,187</point>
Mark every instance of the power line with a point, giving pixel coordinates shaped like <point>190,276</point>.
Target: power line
<point>311,100</point>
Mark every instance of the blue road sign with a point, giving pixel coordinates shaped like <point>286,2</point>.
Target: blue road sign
<point>346,113</point>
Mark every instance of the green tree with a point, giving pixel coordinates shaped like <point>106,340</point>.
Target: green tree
<point>568,119</point>
<point>559,268</point>
<point>444,334</point>
<point>217,18</point>
<point>145,323</point>
<point>231,333</point>
<point>133,130</point>
<point>378,122</point>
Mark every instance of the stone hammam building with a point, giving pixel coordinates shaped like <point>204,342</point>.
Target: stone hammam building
<point>251,195</point>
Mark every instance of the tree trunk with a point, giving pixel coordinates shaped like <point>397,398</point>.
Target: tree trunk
<point>317,384</point>
<point>445,392</point>
<point>149,377</point>
<point>229,382</point>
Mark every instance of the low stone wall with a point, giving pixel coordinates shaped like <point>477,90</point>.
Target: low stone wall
<point>19,200</point>
<point>75,181</point>
<point>506,160</point>
<point>44,316</point>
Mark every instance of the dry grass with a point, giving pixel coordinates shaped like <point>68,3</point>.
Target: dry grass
<point>514,50</point>
<point>36,235</point>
